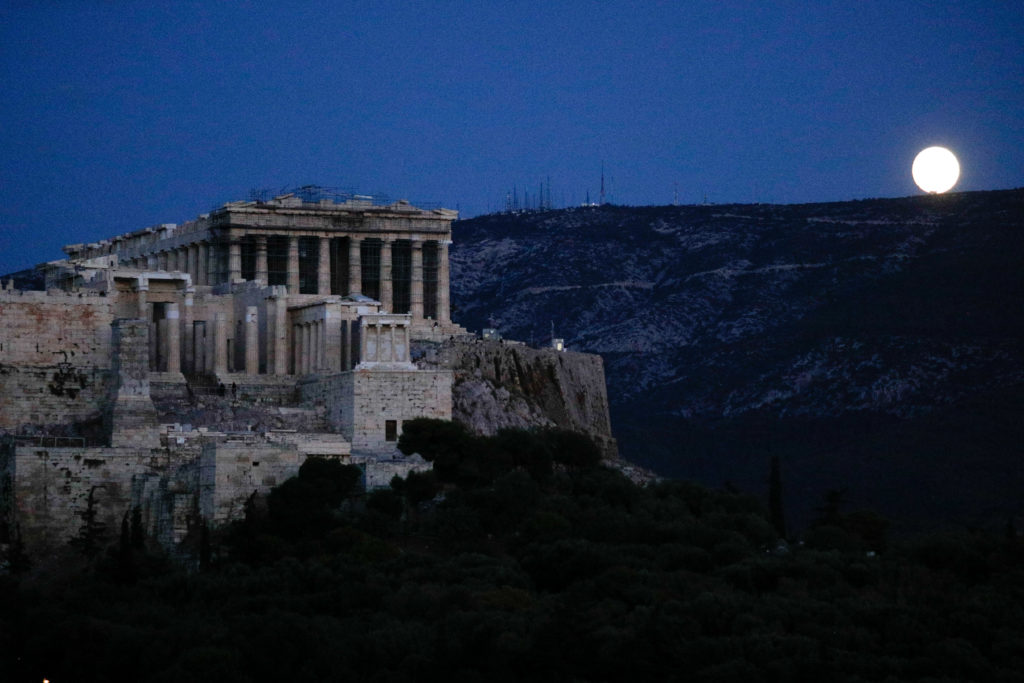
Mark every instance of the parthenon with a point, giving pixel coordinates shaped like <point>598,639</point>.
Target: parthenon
<point>299,274</point>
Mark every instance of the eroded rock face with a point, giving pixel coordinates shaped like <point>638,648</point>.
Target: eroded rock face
<point>501,384</point>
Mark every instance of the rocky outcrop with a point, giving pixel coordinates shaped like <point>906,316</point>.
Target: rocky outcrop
<point>499,384</point>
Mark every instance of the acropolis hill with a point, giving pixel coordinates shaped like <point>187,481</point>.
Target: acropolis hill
<point>183,368</point>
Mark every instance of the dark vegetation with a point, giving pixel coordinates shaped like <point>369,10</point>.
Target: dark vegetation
<point>520,557</point>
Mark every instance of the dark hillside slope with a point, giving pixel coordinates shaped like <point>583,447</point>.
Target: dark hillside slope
<point>874,345</point>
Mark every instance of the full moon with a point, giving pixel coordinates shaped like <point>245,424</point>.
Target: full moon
<point>935,170</point>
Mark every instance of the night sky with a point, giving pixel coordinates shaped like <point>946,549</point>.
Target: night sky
<point>119,115</point>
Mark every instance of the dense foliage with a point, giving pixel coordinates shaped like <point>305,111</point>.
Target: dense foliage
<point>522,558</point>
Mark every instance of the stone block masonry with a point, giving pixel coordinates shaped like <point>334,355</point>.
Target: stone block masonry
<point>54,358</point>
<point>368,406</point>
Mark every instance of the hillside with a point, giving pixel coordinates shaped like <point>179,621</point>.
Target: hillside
<point>873,345</point>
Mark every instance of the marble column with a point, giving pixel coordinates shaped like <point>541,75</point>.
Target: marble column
<point>355,270</point>
<point>234,259</point>
<point>252,341</point>
<point>220,344</point>
<point>280,306</point>
<point>173,332</point>
<point>386,288</point>
<point>416,286</point>
<point>307,366</point>
<point>324,267</point>
<point>262,273</point>
<point>296,349</point>
<point>188,357</point>
<point>346,345</point>
<point>444,313</point>
<point>142,286</point>
<point>192,259</point>
<point>293,265</point>
<point>199,363</point>
<point>211,264</point>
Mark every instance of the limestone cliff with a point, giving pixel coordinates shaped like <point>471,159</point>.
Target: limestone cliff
<point>501,384</point>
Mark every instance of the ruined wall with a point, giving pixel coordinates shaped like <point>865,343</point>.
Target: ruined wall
<point>55,354</point>
<point>232,471</point>
<point>51,489</point>
<point>500,384</point>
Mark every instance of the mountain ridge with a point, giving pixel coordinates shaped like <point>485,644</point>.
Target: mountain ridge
<point>721,323</point>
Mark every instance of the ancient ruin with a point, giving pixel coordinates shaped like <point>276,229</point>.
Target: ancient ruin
<point>284,302</point>
<point>183,368</point>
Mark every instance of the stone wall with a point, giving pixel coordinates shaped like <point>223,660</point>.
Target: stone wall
<point>505,384</point>
<point>54,358</point>
<point>360,403</point>
<point>51,488</point>
<point>231,471</point>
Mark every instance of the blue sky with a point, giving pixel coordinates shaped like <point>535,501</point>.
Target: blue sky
<point>119,115</point>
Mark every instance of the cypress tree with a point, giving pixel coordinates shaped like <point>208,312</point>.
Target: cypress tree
<point>775,506</point>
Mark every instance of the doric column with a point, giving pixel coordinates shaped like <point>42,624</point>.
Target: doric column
<point>355,269</point>
<point>444,313</point>
<point>296,349</point>
<point>234,259</point>
<point>173,332</point>
<point>161,261</point>
<point>364,336</point>
<point>280,335</point>
<point>189,362</point>
<point>252,341</point>
<point>293,265</point>
<point>321,339</point>
<point>142,286</point>
<point>172,259</point>
<point>202,269</point>
<point>346,345</point>
<point>416,285</point>
<point>199,363</point>
<point>262,273</point>
<point>386,290</point>
<point>324,267</point>
<point>192,259</point>
<point>307,364</point>
<point>211,264</point>
<point>220,344</point>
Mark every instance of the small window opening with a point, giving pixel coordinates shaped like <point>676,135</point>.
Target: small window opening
<point>391,430</point>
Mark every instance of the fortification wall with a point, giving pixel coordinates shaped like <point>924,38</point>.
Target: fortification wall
<point>55,355</point>
<point>500,384</point>
<point>231,472</point>
<point>51,488</point>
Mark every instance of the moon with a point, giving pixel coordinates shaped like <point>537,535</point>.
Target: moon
<point>935,170</point>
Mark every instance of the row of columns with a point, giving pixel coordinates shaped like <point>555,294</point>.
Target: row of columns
<point>201,262</point>
<point>385,343</point>
<point>310,345</point>
<point>178,342</point>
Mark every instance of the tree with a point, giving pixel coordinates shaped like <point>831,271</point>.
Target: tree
<point>775,505</point>
<point>442,442</point>
<point>138,531</point>
<point>91,533</point>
